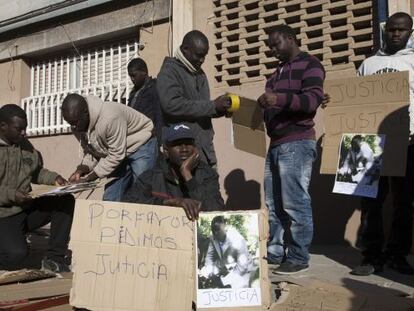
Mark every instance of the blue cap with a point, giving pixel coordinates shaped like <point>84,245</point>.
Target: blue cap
<point>177,131</point>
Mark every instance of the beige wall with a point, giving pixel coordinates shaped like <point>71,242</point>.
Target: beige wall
<point>336,217</point>
<point>156,42</point>
<point>15,81</point>
<point>61,153</point>
<point>400,6</point>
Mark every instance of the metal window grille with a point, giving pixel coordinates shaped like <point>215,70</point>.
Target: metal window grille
<point>100,71</point>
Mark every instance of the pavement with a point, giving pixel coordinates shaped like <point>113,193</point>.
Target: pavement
<point>327,285</point>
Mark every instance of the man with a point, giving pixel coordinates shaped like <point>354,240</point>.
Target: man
<point>180,178</point>
<point>117,142</point>
<point>144,96</point>
<point>393,57</point>
<point>359,160</point>
<point>293,93</point>
<point>228,261</point>
<point>20,166</point>
<point>185,95</point>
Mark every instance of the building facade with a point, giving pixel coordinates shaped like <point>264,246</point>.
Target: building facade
<point>49,48</point>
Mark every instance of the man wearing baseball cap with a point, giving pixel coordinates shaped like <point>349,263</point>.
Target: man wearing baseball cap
<point>179,178</point>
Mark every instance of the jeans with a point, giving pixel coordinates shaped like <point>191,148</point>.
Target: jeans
<point>288,172</point>
<point>372,232</point>
<point>128,171</point>
<point>56,210</point>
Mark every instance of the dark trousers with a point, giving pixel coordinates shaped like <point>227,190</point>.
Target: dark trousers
<point>372,232</point>
<point>56,210</point>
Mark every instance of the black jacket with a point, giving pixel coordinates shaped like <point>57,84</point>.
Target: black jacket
<point>185,97</point>
<point>147,102</point>
<point>158,184</point>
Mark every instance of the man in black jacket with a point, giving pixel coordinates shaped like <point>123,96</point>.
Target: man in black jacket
<point>179,178</point>
<point>185,94</point>
<point>144,96</point>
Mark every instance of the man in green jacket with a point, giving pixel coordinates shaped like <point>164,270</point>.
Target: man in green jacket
<point>21,165</point>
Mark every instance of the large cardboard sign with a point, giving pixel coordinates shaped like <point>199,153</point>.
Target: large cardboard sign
<point>131,257</point>
<point>376,104</point>
<point>231,270</point>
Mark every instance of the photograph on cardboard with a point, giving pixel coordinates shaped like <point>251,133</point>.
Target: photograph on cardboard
<point>228,256</point>
<point>359,164</point>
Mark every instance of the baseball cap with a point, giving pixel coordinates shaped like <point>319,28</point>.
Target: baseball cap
<point>177,131</point>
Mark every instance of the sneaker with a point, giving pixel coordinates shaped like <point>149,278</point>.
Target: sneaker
<point>290,268</point>
<point>272,264</point>
<point>54,266</point>
<point>367,267</point>
<point>401,265</point>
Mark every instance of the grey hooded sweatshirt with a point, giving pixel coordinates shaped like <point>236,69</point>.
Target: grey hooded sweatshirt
<point>185,97</point>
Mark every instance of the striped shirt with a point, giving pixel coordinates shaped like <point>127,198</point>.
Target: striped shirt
<point>299,88</point>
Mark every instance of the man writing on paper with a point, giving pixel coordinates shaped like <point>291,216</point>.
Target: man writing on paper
<point>117,142</point>
<point>185,94</point>
<point>293,94</point>
<point>180,177</point>
<point>228,261</point>
<point>21,165</point>
<point>395,56</point>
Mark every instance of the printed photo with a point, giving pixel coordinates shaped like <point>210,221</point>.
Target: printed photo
<point>228,257</point>
<point>359,164</point>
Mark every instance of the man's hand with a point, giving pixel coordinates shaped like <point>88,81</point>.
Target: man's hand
<point>267,100</point>
<point>326,100</point>
<point>22,197</point>
<point>189,165</point>
<point>190,206</point>
<point>90,177</point>
<point>60,181</point>
<point>81,171</point>
<point>222,103</point>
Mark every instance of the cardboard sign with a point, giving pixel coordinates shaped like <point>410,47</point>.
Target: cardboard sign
<point>232,273</point>
<point>131,257</point>
<point>376,104</point>
<point>248,128</point>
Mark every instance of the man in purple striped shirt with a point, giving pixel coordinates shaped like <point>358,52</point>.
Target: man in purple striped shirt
<point>293,94</point>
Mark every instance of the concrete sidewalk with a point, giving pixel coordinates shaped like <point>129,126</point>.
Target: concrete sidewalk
<point>328,285</point>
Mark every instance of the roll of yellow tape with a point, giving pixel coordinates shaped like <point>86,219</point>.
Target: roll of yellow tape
<point>235,103</point>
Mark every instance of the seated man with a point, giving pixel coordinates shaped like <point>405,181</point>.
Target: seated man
<point>228,261</point>
<point>20,166</point>
<point>117,142</point>
<point>179,178</point>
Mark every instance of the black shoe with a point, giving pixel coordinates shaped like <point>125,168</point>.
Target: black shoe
<point>368,267</point>
<point>272,264</point>
<point>291,268</point>
<point>401,265</point>
<point>54,266</point>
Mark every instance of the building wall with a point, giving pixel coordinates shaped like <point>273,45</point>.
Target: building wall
<point>80,28</point>
<point>336,217</point>
<point>156,42</point>
<point>241,174</point>
<point>61,153</point>
<point>401,6</point>
<point>15,82</point>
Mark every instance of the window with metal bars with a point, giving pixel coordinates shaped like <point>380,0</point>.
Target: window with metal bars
<point>99,71</point>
